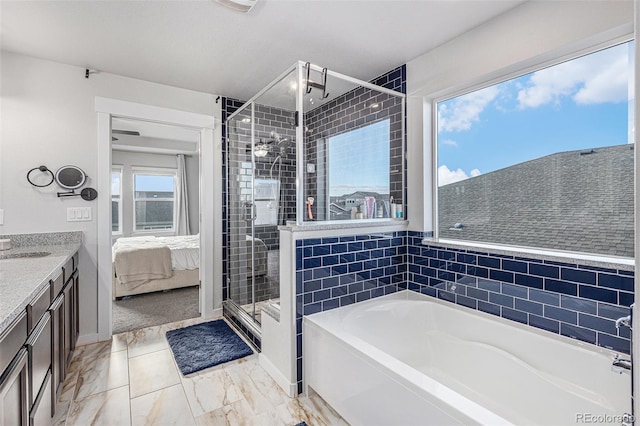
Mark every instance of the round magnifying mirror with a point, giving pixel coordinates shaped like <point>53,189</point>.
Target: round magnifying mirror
<point>70,177</point>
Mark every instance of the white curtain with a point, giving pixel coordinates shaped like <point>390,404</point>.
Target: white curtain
<point>182,215</point>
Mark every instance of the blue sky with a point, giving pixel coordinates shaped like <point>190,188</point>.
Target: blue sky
<point>359,160</point>
<point>575,105</point>
<point>154,183</point>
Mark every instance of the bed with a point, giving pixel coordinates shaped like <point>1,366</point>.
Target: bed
<point>147,264</point>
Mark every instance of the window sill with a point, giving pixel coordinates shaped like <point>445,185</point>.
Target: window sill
<point>342,224</point>
<point>611,262</point>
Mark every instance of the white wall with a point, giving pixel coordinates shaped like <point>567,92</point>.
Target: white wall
<point>48,117</point>
<point>192,165</point>
<point>533,33</point>
<point>133,159</point>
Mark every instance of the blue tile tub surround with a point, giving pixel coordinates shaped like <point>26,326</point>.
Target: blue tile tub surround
<point>578,301</point>
<point>574,300</point>
<point>338,271</point>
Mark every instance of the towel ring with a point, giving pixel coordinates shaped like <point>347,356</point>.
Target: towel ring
<point>42,169</point>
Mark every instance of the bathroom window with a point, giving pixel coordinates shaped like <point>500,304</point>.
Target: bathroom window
<point>358,172</point>
<point>116,200</point>
<point>544,160</point>
<point>154,199</point>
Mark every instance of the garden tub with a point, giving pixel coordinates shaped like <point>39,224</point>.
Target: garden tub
<point>407,359</point>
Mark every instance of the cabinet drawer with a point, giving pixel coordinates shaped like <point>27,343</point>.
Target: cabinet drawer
<point>38,306</point>
<point>12,340</point>
<point>39,347</point>
<point>57,284</point>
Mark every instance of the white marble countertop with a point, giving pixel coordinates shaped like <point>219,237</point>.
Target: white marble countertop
<point>22,278</point>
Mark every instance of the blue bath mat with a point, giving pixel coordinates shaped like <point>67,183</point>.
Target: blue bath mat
<point>205,345</point>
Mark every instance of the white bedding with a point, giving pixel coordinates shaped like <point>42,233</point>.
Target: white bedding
<point>185,250</point>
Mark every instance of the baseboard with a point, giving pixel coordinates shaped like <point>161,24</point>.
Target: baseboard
<point>217,313</point>
<point>87,339</point>
<point>289,388</point>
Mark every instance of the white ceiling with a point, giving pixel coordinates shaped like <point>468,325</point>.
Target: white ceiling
<point>203,46</point>
<point>154,138</point>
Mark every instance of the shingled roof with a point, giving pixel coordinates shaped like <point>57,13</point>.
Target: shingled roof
<point>579,201</point>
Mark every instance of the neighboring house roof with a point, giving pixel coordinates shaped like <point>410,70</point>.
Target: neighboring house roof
<point>579,201</point>
<point>359,194</point>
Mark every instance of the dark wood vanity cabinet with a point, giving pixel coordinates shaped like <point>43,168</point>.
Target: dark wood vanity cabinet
<point>39,348</point>
<point>36,349</point>
<point>14,408</point>
<point>70,313</point>
<point>58,363</point>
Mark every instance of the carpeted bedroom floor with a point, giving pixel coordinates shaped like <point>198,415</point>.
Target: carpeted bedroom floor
<point>147,310</point>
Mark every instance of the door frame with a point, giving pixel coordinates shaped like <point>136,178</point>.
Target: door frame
<point>210,229</point>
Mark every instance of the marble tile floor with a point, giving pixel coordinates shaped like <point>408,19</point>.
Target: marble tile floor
<point>134,380</point>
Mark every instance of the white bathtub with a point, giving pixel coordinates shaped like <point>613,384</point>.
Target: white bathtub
<point>408,359</point>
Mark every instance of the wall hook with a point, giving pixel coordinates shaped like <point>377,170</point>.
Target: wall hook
<point>87,72</point>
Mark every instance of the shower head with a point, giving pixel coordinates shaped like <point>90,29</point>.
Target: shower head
<point>284,143</point>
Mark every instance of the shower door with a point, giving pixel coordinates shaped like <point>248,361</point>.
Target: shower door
<point>261,176</point>
<point>241,213</point>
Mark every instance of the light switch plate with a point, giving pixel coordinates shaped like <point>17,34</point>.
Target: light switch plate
<point>79,214</point>
<point>1,216</point>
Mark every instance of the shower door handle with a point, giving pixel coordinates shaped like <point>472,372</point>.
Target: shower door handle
<point>250,214</point>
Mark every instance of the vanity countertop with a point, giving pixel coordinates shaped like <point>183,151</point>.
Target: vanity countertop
<point>22,278</point>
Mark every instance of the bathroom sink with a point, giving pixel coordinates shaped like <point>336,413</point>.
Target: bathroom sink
<point>30,254</point>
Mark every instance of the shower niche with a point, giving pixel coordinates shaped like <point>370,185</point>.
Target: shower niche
<point>313,146</point>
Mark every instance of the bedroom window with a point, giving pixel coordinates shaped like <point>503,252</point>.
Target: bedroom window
<point>154,199</point>
<point>544,160</point>
<point>116,200</point>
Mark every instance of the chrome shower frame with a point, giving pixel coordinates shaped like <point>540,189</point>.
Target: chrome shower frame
<point>303,69</point>
<point>302,72</point>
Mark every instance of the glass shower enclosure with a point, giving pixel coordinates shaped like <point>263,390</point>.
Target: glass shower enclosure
<point>313,145</point>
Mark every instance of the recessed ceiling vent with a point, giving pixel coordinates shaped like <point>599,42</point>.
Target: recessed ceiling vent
<point>238,5</point>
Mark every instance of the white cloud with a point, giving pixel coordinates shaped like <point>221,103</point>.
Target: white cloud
<point>446,176</point>
<point>592,79</point>
<point>449,142</point>
<point>463,111</point>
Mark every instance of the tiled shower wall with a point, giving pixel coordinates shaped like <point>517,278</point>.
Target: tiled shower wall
<point>349,112</point>
<point>327,120</point>
<point>229,106</point>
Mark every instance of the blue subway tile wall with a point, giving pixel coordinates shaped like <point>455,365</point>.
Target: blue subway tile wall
<point>574,300</point>
<point>542,297</point>
<point>360,267</point>
<point>229,106</point>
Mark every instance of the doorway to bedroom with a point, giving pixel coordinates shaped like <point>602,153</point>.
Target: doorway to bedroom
<point>155,211</point>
